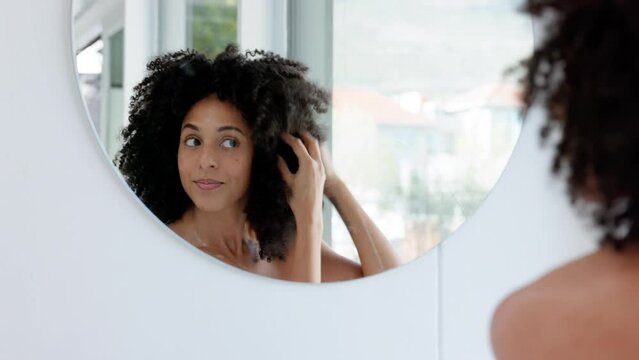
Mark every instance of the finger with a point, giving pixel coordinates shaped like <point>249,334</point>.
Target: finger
<point>312,145</point>
<point>297,145</point>
<point>286,173</point>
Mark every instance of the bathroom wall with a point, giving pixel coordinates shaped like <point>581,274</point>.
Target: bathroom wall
<point>86,272</point>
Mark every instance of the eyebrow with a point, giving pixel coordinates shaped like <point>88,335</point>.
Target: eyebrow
<point>223,128</point>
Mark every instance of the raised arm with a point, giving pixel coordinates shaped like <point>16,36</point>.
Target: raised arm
<point>375,251</point>
<point>307,184</point>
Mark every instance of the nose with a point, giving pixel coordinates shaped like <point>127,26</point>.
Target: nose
<point>208,159</point>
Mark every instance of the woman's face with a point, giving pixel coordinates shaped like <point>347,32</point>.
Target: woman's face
<point>214,156</point>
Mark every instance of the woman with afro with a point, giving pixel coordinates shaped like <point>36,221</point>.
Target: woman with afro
<point>227,153</point>
<point>586,75</point>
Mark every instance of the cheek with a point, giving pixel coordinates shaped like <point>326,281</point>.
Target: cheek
<point>183,164</point>
<point>180,163</point>
<point>242,166</point>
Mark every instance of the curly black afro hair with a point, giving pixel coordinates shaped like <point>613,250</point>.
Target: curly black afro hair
<point>273,96</point>
<point>586,73</point>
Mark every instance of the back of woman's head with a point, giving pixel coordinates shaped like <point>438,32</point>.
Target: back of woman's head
<point>586,74</point>
<point>273,97</point>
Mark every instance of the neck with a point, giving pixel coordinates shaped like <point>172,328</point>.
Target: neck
<point>220,232</point>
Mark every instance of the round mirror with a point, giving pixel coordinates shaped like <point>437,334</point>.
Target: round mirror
<point>422,117</point>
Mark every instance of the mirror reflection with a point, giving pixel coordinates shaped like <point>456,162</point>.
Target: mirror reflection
<point>406,137</point>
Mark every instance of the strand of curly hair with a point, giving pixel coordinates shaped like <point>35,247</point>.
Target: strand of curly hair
<point>586,73</point>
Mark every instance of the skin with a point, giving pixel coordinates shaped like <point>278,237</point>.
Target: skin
<point>583,310</point>
<point>215,146</point>
<point>375,251</point>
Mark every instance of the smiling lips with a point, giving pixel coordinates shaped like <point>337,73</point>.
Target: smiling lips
<point>208,184</point>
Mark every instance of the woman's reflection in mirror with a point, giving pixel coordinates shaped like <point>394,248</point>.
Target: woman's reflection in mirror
<point>586,75</point>
<point>229,154</point>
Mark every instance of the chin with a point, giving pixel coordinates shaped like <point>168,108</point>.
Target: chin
<point>213,205</point>
<point>209,206</point>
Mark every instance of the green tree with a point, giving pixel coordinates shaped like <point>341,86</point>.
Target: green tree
<point>213,25</point>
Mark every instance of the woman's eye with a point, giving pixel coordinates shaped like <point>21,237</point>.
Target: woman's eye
<point>192,142</point>
<point>229,143</point>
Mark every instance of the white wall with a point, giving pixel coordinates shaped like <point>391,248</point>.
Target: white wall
<point>87,273</point>
<point>524,228</point>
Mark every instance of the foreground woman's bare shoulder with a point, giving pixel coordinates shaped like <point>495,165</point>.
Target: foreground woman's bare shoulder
<point>582,310</point>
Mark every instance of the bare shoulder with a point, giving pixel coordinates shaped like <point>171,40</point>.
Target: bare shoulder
<point>516,325</point>
<point>581,310</point>
<point>336,267</point>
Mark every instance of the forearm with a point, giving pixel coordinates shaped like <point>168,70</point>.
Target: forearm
<point>375,251</point>
<point>305,252</point>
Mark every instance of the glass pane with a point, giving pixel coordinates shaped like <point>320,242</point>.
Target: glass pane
<point>89,62</point>
<point>116,57</point>
<point>115,97</point>
<point>211,25</point>
<point>424,119</point>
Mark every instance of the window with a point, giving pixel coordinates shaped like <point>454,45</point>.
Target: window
<point>424,119</point>
<point>89,61</point>
<point>211,25</point>
<point>115,102</point>
<point>101,75</point>
<point>107,77</point>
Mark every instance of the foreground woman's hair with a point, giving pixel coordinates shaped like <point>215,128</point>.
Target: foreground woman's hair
<point>586,73</point>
